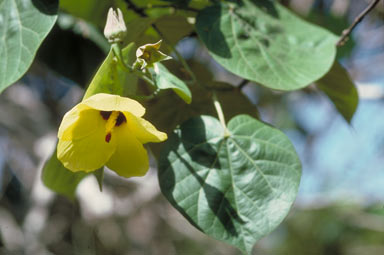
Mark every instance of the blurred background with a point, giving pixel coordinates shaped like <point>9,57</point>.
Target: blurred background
<point>340,206</point>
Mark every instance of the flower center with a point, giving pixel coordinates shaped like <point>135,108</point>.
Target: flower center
<point>114,119</point>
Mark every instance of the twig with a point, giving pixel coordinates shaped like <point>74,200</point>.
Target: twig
<point>119,55</point>
<point>179,56</point>
<point>242,84</point>
<point>346,32</point>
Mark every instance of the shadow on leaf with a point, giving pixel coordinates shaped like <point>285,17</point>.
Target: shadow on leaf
<point>208,26</point>
<point>203,156</point>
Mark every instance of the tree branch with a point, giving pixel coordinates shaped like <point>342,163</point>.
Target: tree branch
<point>346,32</point>
<point>242,84</point>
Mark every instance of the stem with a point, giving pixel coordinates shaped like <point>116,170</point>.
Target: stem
<point>220,114</point>
<point>346,32</point>
<point>142,13</point>
<point>179,57</point>
<point>184,63</point>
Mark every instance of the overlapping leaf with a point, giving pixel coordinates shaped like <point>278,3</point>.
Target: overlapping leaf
<point>236,189</point>
<point>23,26</point>
<point>262,41</point>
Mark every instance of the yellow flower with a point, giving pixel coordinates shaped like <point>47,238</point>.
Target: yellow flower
<point>106,130</point>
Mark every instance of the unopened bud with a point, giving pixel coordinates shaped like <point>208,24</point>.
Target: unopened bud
<point>115,28</point>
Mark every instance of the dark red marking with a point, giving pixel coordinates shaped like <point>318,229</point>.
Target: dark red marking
<point>120,119</point>
<point>105,114</point>
<point>108,137</point>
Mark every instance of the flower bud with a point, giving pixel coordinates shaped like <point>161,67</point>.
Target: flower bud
<point>149,54</point>
<point>115,28</point>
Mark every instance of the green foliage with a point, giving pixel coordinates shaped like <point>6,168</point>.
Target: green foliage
<point>340,89</point>
<point>234,183</point>
<point>23,27</point>
<point>263,42</point>
<point>236,189</point>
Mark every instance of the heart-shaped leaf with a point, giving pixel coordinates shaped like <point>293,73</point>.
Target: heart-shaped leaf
<point>237,188</point>
<point>262,41</point>
<point>23,26</point>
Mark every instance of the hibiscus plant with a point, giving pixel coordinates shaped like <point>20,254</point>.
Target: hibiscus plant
<point>228,172</point>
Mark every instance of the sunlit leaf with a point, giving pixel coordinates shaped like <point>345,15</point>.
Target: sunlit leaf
<point>23,26</point>
<point>236,189</point>
<point>341,90</point>
<point>262,41</point>
<point>111,78</point>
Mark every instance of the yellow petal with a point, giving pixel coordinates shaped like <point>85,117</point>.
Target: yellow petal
<point>130,158</point>
<point>108,102</point>
<point>80,124</point>
<point>143,130</point>
<point>69,119</point>
<point>83,145</point>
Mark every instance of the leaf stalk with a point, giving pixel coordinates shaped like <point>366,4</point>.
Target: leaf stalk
<point>220,114</point>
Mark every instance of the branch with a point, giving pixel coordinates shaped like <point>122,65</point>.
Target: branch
<point>242,84</point>
<point>346,32</point>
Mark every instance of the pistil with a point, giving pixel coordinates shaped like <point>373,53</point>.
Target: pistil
<point>114,119</point>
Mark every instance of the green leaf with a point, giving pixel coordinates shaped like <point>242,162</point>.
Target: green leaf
<point>341,90</point>
<point>166,80</point>
<point>236,189</point>
<point>262,41</point>
<point>59,179</point>
<point>111,78</point>
<point>23,26</point>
